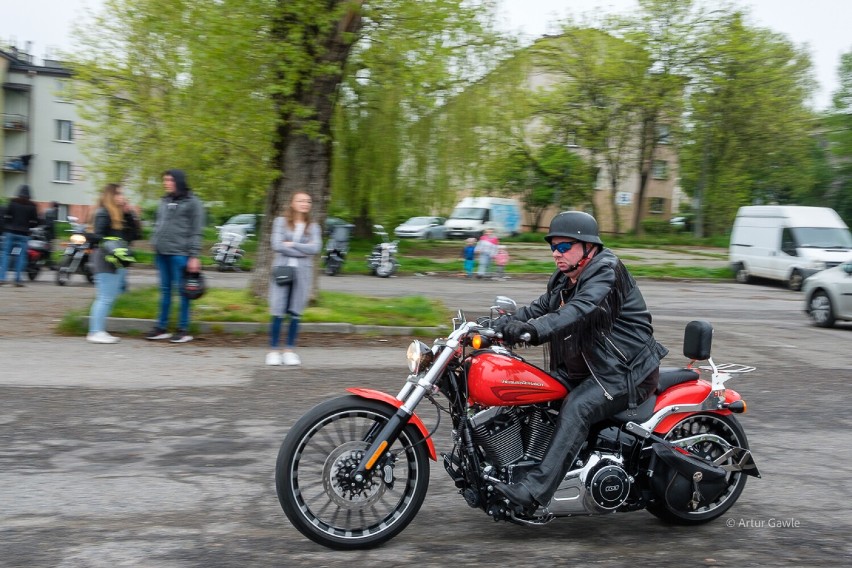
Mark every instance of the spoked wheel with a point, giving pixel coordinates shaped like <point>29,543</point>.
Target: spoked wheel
<point>726,427</point>
<point>320,496</point>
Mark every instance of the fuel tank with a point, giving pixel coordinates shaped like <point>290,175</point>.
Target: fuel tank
<point>500,380</point>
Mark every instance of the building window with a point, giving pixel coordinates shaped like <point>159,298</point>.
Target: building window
<point>571,142</point>
<point>656,205</point>
<point>660,170</point>
<point>664,134</point>
<point>62,172</point>
<point>64,130</point>
<point>62,93</point>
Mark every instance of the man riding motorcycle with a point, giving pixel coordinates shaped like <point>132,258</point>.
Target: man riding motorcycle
<point>600,342</point>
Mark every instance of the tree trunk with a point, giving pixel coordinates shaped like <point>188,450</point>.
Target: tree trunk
<point>303,145</point>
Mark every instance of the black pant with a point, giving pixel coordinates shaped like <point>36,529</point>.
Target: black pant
<point>584,406</point>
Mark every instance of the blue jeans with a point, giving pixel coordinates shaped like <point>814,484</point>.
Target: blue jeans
<point>109,287</point>
<point>171,268</point>
<point>10,242</point>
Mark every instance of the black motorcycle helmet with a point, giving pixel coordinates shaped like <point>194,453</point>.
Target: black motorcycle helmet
<point>576,225</point>
<point>193,286</point>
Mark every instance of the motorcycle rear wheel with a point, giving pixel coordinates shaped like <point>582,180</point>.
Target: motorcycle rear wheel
<point>32,272</point>
<point>313,483</point>
<point>726,427</point>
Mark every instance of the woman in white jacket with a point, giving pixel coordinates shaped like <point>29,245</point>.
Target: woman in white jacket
<point>295,241</point>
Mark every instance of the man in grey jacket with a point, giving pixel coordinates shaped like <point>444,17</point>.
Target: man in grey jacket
<point>176,240</point>
<point>601,344</point>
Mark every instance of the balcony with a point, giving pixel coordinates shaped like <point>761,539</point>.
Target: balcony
<point>16,164</point>
<point>15,122</point>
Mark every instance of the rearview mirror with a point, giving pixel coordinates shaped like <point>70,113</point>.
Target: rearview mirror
<point>505,305</point>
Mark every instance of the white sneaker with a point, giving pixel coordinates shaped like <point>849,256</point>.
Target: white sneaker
<point>290,358</point>
<point>101,337</point>
<point>273,358</point>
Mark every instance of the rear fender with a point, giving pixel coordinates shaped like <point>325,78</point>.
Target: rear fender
<point>683,394</point>
<point>372,394</point>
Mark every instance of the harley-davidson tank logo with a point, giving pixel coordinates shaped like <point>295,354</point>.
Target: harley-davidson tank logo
<point>528,383</point>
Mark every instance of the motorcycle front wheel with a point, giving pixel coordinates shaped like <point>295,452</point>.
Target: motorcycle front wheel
<point>385,269</point>
<point>314,483</point>
<point>63,273</point>
<point>726,427</point>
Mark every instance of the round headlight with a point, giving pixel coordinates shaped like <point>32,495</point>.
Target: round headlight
<point>77,239</point>
<point>419,356</point>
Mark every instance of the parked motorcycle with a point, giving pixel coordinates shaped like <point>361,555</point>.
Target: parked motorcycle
<point>354,471</point>
<point>382,260</point>
<point>38,252</point>
<point>75,259</point>
<point>227,253</point>
<point>336,249</point>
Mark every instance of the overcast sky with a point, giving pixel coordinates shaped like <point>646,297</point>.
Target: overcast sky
<point>821,24</point>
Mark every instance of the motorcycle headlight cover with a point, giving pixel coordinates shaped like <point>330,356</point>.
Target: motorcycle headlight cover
<point>77,239</point>
<point>419,356</point>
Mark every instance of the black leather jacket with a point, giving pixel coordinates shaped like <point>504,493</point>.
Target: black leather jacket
<point>603,322</point>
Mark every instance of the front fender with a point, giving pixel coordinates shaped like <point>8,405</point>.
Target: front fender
<point>384,397</point>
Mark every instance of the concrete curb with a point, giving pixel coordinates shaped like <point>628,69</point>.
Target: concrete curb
<point>138,325</point>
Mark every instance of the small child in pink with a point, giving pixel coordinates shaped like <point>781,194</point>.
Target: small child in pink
<point>501,259</point>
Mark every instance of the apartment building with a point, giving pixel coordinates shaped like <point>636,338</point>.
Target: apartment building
<point>39,142</point>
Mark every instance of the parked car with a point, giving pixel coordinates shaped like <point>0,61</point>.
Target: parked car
<point>422,228</point>
<point>245,223</point>
<point>828,295</point>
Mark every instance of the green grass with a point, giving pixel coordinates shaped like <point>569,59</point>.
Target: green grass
<point>225,305</point>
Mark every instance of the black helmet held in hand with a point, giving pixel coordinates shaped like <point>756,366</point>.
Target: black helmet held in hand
<point>575,225</point>
<point>193,285</point>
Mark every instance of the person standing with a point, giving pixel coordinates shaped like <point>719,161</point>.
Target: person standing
<point>51,216</point>
<point>469,255</point>
<point>501,259</point>
<point>176,240</point>
<point>109,262</point>
<point>485,248</point>
<point>21,216</point>
<point>601,344</point>
<point>295,240</point>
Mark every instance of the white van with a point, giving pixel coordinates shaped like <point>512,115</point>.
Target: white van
<point>473,215</point>
<point>787,242</point>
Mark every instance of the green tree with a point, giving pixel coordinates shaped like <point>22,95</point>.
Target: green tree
<point>592,99</point>
<point>179,84</point>
<point>748,138</point>
<point>838,194</point>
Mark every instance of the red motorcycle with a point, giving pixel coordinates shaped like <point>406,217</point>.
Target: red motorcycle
<point>353,471</point>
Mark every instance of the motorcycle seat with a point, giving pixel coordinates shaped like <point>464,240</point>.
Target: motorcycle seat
<point>671,376</point>
<point>641,413</point>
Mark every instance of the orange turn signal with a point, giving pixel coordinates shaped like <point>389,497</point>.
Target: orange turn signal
<point>376,456</point>
<point>476,341</point>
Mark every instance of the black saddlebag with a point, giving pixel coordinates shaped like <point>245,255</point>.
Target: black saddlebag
<point>685,482</point>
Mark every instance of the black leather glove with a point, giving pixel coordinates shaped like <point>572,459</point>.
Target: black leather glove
<point>501,322</point>
<point>513,330</point>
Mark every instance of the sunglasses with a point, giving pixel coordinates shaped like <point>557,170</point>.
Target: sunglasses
<point>564,246</point>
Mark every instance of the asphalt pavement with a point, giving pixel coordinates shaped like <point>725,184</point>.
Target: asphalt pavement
<point>155,455</point>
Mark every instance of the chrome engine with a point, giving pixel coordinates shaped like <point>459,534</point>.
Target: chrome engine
<point>600,486</point>
<point>508,435</point>
<point>516,438</point>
